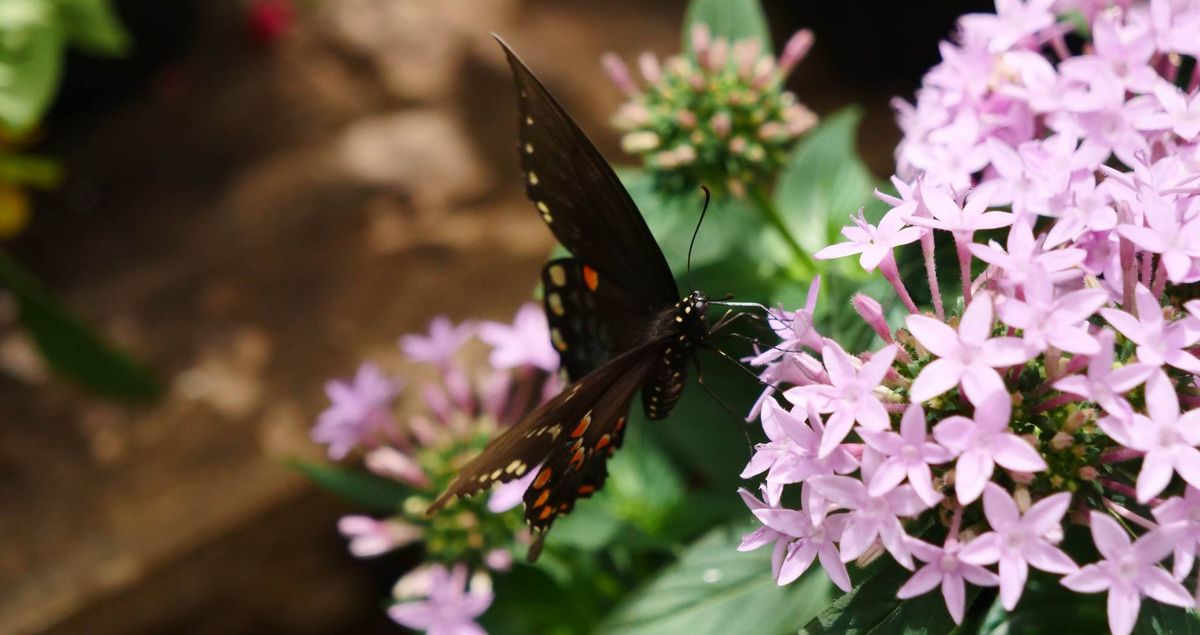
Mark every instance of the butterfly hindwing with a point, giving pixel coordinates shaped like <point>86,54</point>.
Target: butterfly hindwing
<point>582,200</point>
<point>545,436</point>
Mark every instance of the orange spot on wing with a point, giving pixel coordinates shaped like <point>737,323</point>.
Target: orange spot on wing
<point>546,512</point>
<point>542,478</point>
<point>582,427</point>
<point>584,490</point>
<point>577,460</point>
<point>590,278</point>
<point>541,500</point>
<point>603,442</point>
<point>620,425</point>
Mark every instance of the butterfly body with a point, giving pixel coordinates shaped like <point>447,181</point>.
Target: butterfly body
<point>616,318</point>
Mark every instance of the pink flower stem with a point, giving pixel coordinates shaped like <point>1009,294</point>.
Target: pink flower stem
<point>956,522</point>
<point>1130,516</point>
<point>927,248</point>
<point>1076,364</point>
<point>895,407</point>
<point>1128,269</point>
<point>964,266</point>
<point>1053,364</point>
<point>892,273</point>
<point>1171,69</point>
<point>1194,82</point>
<point>1147,268</point>
<point>1160,279</point>
<point>1054,402</point>
<point>1119,455</point>
<point>1059,44</point>
<point>1190,401</point>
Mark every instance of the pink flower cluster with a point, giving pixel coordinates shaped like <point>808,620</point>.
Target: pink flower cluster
<point>460,413</point>
<point>1065,388</point>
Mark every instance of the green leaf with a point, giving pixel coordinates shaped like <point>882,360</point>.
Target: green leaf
<point>824,181</point>
<point>1047,608</point>
<point>93,27</point>
<point>728,225</point>
<point>529,600</point>
<point>30,170</point>
<point>31,54</point>
<point>69,345</point>
<point>1161,619</point>
<point>373,492</point>
<point>730,19</point>
<point>714,588</point>
<point>871,608</point>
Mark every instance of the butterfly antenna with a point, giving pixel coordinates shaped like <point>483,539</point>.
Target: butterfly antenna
<point>696,232</point>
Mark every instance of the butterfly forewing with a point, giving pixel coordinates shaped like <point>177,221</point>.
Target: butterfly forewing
<point>582,200</point>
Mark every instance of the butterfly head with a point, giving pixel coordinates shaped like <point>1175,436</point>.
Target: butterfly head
<point>692,316</point>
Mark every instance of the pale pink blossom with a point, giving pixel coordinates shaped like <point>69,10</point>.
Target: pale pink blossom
<point>871,517</point>
<point>982,442</point>
<point>1128,572</point>
<point>1158,342</point>
<point>945,568</point>
<point>1018,541</point>
<point>873,243</point>
<point>1104,384</point>
<point>449,608</point>
<point>850,394</point>
<point>909,455</point>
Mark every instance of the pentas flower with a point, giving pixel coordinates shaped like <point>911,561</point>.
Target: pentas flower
<point>719,117</point>
<point>1065,375</point>
<point>449,605</point>
<point>461,412</point>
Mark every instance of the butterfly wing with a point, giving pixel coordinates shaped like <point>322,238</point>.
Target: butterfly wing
<point>589,316</point>
<point>588,416</point>
<point>582,200</point>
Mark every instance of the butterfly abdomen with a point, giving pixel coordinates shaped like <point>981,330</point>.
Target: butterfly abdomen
<point>683,328</point>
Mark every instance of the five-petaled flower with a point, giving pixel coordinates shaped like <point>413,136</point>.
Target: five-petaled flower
<point>982,442</point>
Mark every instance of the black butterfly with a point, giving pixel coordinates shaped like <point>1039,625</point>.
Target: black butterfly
<point>615,314</point>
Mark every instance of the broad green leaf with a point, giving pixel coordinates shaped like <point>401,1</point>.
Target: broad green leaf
<point>93,27</point>
<point>871,608</point>
<point>714,588</point>
<point>31,52</point>
<point>529,600</point>
<point>1047,608</point>
<point>728,225</point>
<point>69,345</point>
<point>373,492</point>
<point>1161,619</point>
<point>824,181</point>
<point>730,19</point>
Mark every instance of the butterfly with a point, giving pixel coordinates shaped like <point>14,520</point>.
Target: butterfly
<point>615,317</point>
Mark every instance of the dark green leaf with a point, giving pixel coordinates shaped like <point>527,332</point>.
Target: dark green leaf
<point>730,19</point>
<point>32,171</point>
<point>824,181</point>
<point>713,588</point>
<point>31,52</point>
<point>69,345</point>
<point>373,492</point>
<point>1161,619</point>
<point>528,600</point>
<point>871,608</point>
<point>93,27</point>
<point>1047,608</point>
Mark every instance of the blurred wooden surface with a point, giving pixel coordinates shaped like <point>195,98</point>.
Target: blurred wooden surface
<point>255,221</point>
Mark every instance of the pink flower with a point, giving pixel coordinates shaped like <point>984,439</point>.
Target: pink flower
<point>441,345</point>
<point>525,342</point>
<point>1014,22</point>
<point>810,539</point>
<point>981,443</point>
<point>850,395</point>
<point>1128,571</point>
<point>370,537</point>
<point>764,535</point>
<point>792,454</point>
<point>1127,49</point>
<point>1048,321</point>
<point>359,410</point>
<point>391,463</point>
<point>1183,513</point>
<point>1168,439</point>
<point>1105,385</point>
<point>874,243</point>
<point>960,220</point>
<point>871,516</point>
<point>909,454</point>
<point>794,329</point>
<point>1177,241</point>
<point>969,355</point>
<point>945,568</point>
<point>449,608</point>
<point>1180,112</point>
<point>1158,342</point>
<point>1018,541</point>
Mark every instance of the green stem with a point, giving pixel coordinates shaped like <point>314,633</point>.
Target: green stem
<point>800,258</point>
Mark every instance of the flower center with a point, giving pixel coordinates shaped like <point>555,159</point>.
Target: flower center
<point>1014,540</point>
<point>910,453</point>
<point>1167,436</point>
<point>948,562</point>
<point>1127,567</point>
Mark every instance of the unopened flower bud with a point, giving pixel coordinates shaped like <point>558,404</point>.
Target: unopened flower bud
<point>795,50</point>
<point>871,312</point>
<point>721,124</point>
<point>648,64</point>
<point>1061,441</point>
<point>619,73</point>
<point>640,141</point>
<point>1088,473</point>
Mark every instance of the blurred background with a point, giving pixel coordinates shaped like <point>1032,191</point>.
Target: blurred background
<point>255,197</point>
